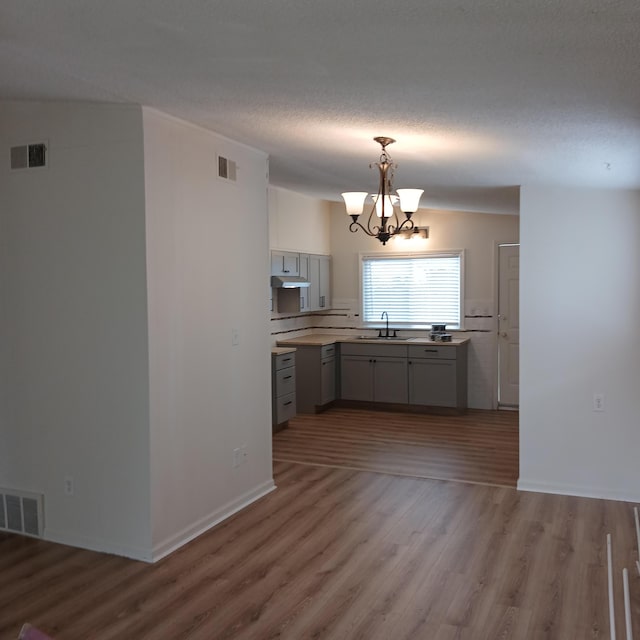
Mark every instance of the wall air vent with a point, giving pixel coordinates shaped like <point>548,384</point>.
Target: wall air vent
<point>21,512</point>
<point>29,156</point>
<point>226,169</point>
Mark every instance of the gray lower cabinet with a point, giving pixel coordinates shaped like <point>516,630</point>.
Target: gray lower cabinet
<point>421,375</point>
<point>283,389</point>
<point>316,381</point>
<point>373,373</point>
<point>438,375</point>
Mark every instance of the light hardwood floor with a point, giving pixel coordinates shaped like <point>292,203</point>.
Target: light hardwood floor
<point>344,554</point>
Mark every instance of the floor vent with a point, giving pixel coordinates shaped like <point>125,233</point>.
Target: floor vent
<point>226,169</point>
<point>21,512</point>
<point>29,156</point>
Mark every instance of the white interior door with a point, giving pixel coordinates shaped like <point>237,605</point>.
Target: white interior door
<point>509,325</point>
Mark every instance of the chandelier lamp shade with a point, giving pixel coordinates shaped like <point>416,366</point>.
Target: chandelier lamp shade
<point>383,222</point>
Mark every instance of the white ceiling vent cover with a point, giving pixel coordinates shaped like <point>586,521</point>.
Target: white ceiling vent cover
<point>29,156</point>
<point>226,169</point>
<point>21,512</point>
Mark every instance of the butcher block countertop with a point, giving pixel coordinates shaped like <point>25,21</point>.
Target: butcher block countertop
<point>321,340</point>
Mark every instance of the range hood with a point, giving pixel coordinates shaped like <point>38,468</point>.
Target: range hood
<point>289,282</point>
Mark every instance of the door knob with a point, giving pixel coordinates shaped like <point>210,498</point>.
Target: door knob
<point>504,334</point>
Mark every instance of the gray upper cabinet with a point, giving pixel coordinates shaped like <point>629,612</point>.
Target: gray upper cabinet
<point>324,292</point>
<point>320,279</point>
<point>285,263</point>
<point>314,268</point>
<point>305,298</point>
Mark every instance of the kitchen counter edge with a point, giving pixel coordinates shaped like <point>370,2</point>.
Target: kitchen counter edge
<point>321,340</point>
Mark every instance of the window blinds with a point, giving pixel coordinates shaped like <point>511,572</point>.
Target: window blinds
<point>412,289</point>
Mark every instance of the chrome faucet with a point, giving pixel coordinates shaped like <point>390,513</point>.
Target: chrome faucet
<point>386,335</point>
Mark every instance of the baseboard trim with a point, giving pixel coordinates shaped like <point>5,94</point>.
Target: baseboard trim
<point>97,544</point>
<point>204,524</point>
<point>581,492</point>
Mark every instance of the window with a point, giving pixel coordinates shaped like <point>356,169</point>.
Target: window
<point>415,290</point>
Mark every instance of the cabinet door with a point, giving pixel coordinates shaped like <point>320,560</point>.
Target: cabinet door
<point>314,279</point>
<point>285,263</point>
<point>432,382</point>
<point>304,291</point>
<point>324,292</point>
<point>327,380</point>
<point>356,378</point>
<point>390,380</point>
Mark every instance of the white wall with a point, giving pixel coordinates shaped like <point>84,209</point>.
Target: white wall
<point>298,222</point>
<point>476,233</point>
<point>208,265</point>
<point>73,325</point>
<point>579,311</point>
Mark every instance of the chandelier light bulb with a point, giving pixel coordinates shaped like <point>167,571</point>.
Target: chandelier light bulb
<point>410,199</point>
<point>388,200</point>
<point>354,202</point>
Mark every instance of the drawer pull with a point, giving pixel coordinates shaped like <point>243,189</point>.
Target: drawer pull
<point>286,360</point>
<point>287,378</point>
<point>288,403</point>
<point>431,351</point>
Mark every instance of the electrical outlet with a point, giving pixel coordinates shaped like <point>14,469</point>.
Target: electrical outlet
<point>235,338</point>
<point>68,486</point>
<point>237,457</point>
<point>598,401</point>
<point>244,456</point>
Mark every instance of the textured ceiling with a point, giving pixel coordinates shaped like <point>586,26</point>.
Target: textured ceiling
<point>481,95</point>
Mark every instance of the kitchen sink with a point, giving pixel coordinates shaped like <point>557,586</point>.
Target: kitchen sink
<point>383,338</point>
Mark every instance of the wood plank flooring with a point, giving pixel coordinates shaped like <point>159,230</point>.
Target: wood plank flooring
<point>480,446</point>
<point>338,554</point>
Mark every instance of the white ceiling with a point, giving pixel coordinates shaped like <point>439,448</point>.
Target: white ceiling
<point>481,95</point>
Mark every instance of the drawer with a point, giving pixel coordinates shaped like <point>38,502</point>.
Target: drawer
<point>285,381</point>
<point>285,407</point>
<point>284,360</point>
<point>328,351</point>
<point>440,352</point>
<point>373,350</point>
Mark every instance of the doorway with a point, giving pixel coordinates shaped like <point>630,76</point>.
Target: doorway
<point>508,326</point>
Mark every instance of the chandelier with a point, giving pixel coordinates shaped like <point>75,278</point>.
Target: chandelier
<point>383,222</point>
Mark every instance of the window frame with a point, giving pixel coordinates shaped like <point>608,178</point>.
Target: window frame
<point>447,253</point>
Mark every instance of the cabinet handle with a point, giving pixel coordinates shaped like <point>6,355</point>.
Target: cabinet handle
<point>287,378</point>
<point>286,360</point>
<point>285,271</point>
<point>431,351</point>
<point>288,403</point>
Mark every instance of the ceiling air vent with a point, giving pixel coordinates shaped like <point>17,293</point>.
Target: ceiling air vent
<point>21,512</point>
<point>226,169</point>
<point>29,156</point>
